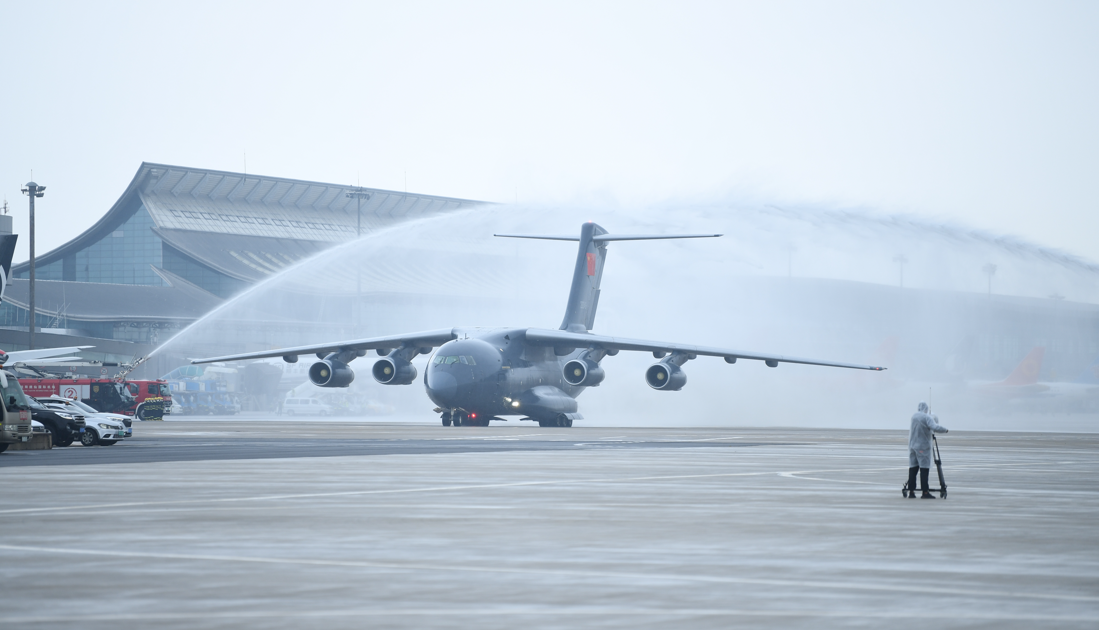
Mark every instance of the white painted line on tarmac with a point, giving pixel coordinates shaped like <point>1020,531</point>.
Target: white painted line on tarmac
<point>517,484</point>
<point>800,584</point>
<point>556,611</point>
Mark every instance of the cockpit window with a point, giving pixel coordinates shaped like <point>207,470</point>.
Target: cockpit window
<point>449,360</point>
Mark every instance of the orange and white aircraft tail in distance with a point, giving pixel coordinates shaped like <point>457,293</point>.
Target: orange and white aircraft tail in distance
<point>1023,380</point>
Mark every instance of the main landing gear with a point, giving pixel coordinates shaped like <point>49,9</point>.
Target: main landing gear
<point>560,421</point>
<point>460,418</point>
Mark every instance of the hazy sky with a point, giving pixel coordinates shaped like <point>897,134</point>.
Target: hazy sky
<point>981,112</point>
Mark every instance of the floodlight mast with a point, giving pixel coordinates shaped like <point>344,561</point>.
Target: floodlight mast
<point>358,195</point>
<point>32,190</point>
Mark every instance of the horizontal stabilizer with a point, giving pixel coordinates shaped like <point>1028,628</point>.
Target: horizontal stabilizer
<point>22,356</point>
<point>602,238</point>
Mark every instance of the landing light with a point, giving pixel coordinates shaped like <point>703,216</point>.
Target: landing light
<point>515,403</point>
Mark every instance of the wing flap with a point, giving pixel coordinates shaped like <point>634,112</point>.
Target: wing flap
<point>561,338</point>
<point>430,338</point>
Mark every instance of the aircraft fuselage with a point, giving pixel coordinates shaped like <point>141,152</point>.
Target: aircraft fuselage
<point>495,373</point>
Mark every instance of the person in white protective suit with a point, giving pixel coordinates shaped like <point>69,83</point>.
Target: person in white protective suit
<point>919,449</point>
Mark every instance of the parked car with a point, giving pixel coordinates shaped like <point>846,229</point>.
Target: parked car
<point>305,407</point>
<point>64,426</point>
<point>76,406</point>
<point>102,432</point>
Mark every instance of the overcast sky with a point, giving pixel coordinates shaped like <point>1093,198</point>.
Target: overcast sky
<point>984,113</point>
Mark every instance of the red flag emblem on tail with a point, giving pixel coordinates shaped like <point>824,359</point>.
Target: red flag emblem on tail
<point>591,264</point>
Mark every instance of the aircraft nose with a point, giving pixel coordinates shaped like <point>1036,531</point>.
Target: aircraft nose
<point>442,384</point>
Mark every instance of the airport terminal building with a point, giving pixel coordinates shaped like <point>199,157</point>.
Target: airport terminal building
<point>181,240</point>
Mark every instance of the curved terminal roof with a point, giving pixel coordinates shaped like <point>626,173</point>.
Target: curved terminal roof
<point>206,203</point>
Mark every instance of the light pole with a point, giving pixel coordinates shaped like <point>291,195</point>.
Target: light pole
<point>989,269</point>
<point>32,190</point>
<point>358,195</point>
<point>901,260</point>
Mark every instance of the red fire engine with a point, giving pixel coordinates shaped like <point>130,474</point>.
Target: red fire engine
<point>142,391</point>
<point>103,394</point>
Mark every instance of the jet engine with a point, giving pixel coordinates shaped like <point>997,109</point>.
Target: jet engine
<point>391,371</point>
<point>583,373</point>
<point>331,373</point>
<point>665,377</point>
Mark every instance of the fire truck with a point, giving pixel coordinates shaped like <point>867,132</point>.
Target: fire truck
<point>152,399</point>
<point>103,394</point>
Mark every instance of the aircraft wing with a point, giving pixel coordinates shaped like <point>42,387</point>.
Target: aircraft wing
<point>565,339</point>
<point>430,338</point>
<point>22,356</point>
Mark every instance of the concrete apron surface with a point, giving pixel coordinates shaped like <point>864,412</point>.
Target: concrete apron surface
<point>603,528</point>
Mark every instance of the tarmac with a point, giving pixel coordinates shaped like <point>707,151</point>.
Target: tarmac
<point>229,524</point>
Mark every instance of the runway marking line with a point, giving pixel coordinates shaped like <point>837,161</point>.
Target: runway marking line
<point>318,495</point>
<point>516,484</point>
<point>803,584</point>
<point>544,612</point>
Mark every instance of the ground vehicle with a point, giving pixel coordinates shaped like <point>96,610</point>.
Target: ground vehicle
<point>15,417</point>
<point>100,393</point>
<point>65,427</point>
<point>150,392</point>
<point>102,432</point>
<point>89,413</point>
<point>305,407</point>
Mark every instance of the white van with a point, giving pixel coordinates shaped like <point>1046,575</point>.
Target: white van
<point>305,407</point>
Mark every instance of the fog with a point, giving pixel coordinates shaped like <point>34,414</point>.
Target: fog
<point>812,282</point>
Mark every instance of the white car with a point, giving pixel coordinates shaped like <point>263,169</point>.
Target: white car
<point>102,432</point>
<point>305,407</point>
<point>90,414</point>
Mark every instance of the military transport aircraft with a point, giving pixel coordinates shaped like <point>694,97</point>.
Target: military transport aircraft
<point>479,374</point>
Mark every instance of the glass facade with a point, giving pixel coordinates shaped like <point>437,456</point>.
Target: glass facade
<point>122,257</point>
<point>187,268</point>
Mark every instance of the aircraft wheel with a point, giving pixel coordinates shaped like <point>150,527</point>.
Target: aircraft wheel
<point>446,418</point>
<point>458,419</point>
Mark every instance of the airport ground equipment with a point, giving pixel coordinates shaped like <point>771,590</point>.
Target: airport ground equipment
<point>938,466</point>
<point>481,374</point>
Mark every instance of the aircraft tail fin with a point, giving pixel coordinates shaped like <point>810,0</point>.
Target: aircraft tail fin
<point>584,295</point>
<point>7,251</point>
<point>1026,373</point>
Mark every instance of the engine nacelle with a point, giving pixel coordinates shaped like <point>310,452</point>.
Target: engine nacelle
<point>665,377</point>
<point>390,371</point>
<point>582,373</point>
<point>331,373</point>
